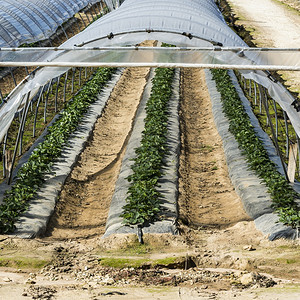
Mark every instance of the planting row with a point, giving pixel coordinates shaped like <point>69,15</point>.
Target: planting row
<point>31,175</point>
<point>143,200</point>
<point>282,194</point>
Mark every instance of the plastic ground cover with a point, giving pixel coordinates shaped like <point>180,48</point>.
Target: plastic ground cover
<point>186,23</point>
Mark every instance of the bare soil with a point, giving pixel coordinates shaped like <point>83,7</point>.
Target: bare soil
<point>219,254</point>
<point>85,199</point>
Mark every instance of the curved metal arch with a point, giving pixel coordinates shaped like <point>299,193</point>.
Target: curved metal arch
<point>16,17</point>
<point>32,6</point>
<point>188,35</point>
<point>27,12</point>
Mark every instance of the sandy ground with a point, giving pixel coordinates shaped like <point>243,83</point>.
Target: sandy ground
<point>219,254</point>
<point>85,199</point>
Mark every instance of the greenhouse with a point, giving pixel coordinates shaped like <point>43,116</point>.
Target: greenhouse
<point>149,148</point>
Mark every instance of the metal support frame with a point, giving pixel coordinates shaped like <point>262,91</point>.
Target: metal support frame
<point>87,17</point>
<point>82,20</point>
<point>46,100</point>
<point>287,138</point>
<point>276,117</point>
<point>3,155</point>
<point>13,76</point>
<point>264,100</point>
<point>62,27</point>
<point>26,108</point>
<point>36,109</point>
<point>73,78</point>
<point>56,93</point>
<point>18,138</point>
<point>65,86</point>
<point>79,82</point>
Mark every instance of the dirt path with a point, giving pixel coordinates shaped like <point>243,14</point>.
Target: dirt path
<point>85,199</point>
<point>207,197</point>
<point>272,24</point>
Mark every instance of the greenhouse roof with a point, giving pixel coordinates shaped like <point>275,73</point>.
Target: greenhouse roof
<point>28,21</point>
<point>185,23</point>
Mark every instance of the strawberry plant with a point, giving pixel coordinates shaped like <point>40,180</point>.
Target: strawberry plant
<point>143,200</point>
<point>30,176</point>
<point>282,194</point>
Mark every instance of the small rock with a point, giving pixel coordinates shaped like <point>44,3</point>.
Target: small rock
<point>6,279</point>
<point>30,281</point>
<point>247,279</point>
<point>249,248</point>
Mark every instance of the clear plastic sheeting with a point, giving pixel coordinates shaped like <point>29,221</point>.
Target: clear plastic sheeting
<point>270,58</point>
<point>28,21</point>
<point>185,23</point>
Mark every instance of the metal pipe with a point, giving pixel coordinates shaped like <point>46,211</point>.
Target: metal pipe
<point>65,85</point>
<point>26,108</point>
<point>62,27</point>
<point>3,155</point>
<point>255,93</point>
<point>82,20</point>
<point>274,136</point>
<point>56,93</point>
<point>87,17</point>
<point>79,81</point>
<point>36,110</point>
<point>287,133</point>
<point>18,140</point>
<point>13,77</point>
<point>46,100</point>
<point>276,117</point>
<point>73,76</point>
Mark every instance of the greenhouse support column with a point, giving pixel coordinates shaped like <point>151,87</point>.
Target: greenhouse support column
<point>50,42</point>
<point>276,117</point>
<point>78,27</point>
<point>79,81</point>
<point>59,40</point>
<point>94,10</point>
<point>286,133</point>
<point>65,86</point>
<point>298,143</point>
<point>62,27</point>
<point>268,120</point>
<point>18,139</point>
<point>3,155</point>
<point>91,12</point>
<point>273,134</point>
<point>99,8</point>
<point>56,93</point>
<point>26,108</point>
<point>26,70</point>
<point>37,108</point>
<point>260,98</point>
<point>71,27</point>
<point>250,87</point>
<point>82,20</point>
<point>13,77</point>
<point>1,96</point>
<point>46,100</point>
<point>255,93</point>
<point>85,73</point>
<point>73,77</point>
<point>87,17</point>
